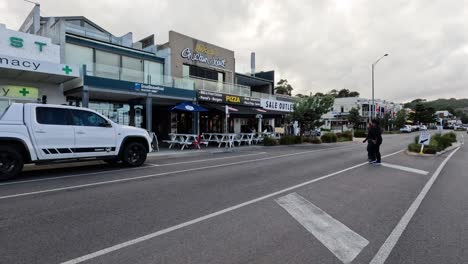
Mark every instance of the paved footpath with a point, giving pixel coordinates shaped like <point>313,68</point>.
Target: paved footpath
<point>295,204</point>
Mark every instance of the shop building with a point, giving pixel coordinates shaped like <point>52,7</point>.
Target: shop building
<point>211,71</point>
<point>337,118</point>
<point>122,79</point>
<point>30,69</point>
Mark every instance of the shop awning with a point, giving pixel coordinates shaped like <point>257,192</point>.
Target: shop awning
<point>189,107</point>
<point>243,110</point>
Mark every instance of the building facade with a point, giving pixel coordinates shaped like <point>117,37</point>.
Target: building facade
<point>337,118</point>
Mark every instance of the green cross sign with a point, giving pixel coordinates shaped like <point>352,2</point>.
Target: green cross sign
<point>24,91</point>
<point>67,69</point>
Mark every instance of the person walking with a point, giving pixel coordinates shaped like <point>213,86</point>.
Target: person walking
<point>369,143</point>
<point>375,137</point>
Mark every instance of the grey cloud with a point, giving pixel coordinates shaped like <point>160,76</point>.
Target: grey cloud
<point>317,45</point>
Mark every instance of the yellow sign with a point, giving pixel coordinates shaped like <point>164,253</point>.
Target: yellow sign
<point>232,99</point>
<point>204,49</point>
<point>14,91</point>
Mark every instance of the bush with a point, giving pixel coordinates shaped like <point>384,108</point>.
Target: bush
<point>316,141</point>
<point>287,140</point>
<point>451,136</point>
<point>414,147</point>
<point>347,135</point>
<point>268,141</point>
<point>416,140</point>
<point>306,139</point>
<point>298,140</point>
<point>329,138</point>
<point>360,133</point>
<point>325,130</point>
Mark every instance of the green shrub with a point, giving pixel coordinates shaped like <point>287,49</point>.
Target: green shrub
<point>268,141</point>
<point>287,140</point>
<point>348,135</point>
<point>298,140</point>
<point>360,133</point>
<point>429,150</point>
<point>306,139</point>
<point>316,141</point>
<point>325,130</point>
<point>416,140</point>
<point>451,136</point>
<point>441,142</point>
<point>329,138</point>
<point>414,147</point>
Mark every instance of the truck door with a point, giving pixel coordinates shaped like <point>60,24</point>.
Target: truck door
<point>94,135</point>
<point>52,132</point>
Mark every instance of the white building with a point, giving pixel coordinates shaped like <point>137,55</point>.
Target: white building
<point>337,120</point>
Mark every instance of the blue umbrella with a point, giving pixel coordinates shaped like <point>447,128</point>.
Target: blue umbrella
<point>189,107</point>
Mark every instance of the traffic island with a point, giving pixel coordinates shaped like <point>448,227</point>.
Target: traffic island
<point>427,145</point>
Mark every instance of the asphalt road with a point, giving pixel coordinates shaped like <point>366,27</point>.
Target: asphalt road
<point>225,208</point>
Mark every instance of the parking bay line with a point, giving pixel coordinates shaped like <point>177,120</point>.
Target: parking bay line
<point>148,165</point>
<point>208,216</point>
<point>157,174</point>
<point>393,238</point>
<point>343,242</point>
<point>403,168</point>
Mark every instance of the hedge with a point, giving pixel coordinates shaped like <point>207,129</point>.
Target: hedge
<point>329,138</point>
<point>360,133</point>
<point>268,141</point>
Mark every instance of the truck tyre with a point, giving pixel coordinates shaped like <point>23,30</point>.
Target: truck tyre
<point>134,154</point>
<point>11,163</point>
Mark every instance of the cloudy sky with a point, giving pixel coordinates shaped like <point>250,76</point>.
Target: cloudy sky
<point>318,45</point>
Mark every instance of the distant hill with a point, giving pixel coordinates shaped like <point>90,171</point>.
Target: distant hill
<point>441,104</point>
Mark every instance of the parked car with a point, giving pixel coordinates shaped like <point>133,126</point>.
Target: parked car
<point>41,133</point>
<point>406,129</point>
<point>422,127</point>
<point>414,128</point>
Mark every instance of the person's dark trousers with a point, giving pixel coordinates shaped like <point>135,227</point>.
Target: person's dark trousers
<point>377,152</point>
<point>370,151</point>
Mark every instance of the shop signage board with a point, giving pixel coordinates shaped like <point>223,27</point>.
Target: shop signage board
<point>148,88</point>
<point>277,105</point>
<point>18,63</point>
<point>220,98</point>
<point>21,92</point>
<point>204,55</point>
<point>24,45</point>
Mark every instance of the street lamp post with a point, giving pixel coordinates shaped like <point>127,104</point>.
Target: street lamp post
<point>373,103</point>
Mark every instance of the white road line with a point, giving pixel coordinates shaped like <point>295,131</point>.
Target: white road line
<point>208,216</point>
<point>343,242</point>
<point>391,241</point>
<point>78,175</point>
<point>149,165</point>
<point>403,168</point>
<point>119,170</point>
<point>154,175</point>
<point>203,160</point>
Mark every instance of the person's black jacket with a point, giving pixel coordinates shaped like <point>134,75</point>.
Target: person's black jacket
<point>375,134</point>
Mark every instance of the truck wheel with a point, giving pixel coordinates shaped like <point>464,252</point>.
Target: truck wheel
<point>134,154</point>
<point>11,163</point>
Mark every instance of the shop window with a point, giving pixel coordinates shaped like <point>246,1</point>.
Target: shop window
<point>80,55</point>
<point>132,69</point>
<point>205,73</point>
<point>153,72</point>
<point>86,118</point>
<point>185,71</point>
<point>107,65</point>
<point>52,116</point>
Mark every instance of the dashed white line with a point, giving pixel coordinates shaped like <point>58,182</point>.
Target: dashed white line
<point>200,219</point>
<point>155,175</point>
<point>391,241</point>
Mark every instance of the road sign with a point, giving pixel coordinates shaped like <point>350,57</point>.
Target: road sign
<point>424,138</point>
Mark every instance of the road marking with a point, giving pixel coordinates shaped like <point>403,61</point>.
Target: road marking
<point>343,242</point>
<point>78,175</point>
<point>208,216</point>
<point>391,241</point>
<point>144,176</point>
<point>203,160</point>
<point>403,168</point>
<point>149,165</point>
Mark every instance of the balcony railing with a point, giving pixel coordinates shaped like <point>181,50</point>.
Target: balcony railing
<point>263,96</point>
<point>92,33</point>
<point>130,75</point>
<point>220,87</point>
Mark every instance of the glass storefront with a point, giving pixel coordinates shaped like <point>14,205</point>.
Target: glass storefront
<point>120,113</point>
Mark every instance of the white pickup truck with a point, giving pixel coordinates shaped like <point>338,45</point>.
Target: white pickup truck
<point>42,133</point>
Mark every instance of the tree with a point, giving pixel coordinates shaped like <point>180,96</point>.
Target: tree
<point>422,114</point>
<point>354,117</point>
<point>309,110</point>
<point>386,121</point>
<point>319,94</point>
<point>343,93</point>
<point>400,119</point>
<point>333,93</point>
<point>301,95</point>
<point>283,87</point>
<point>354,94</point>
